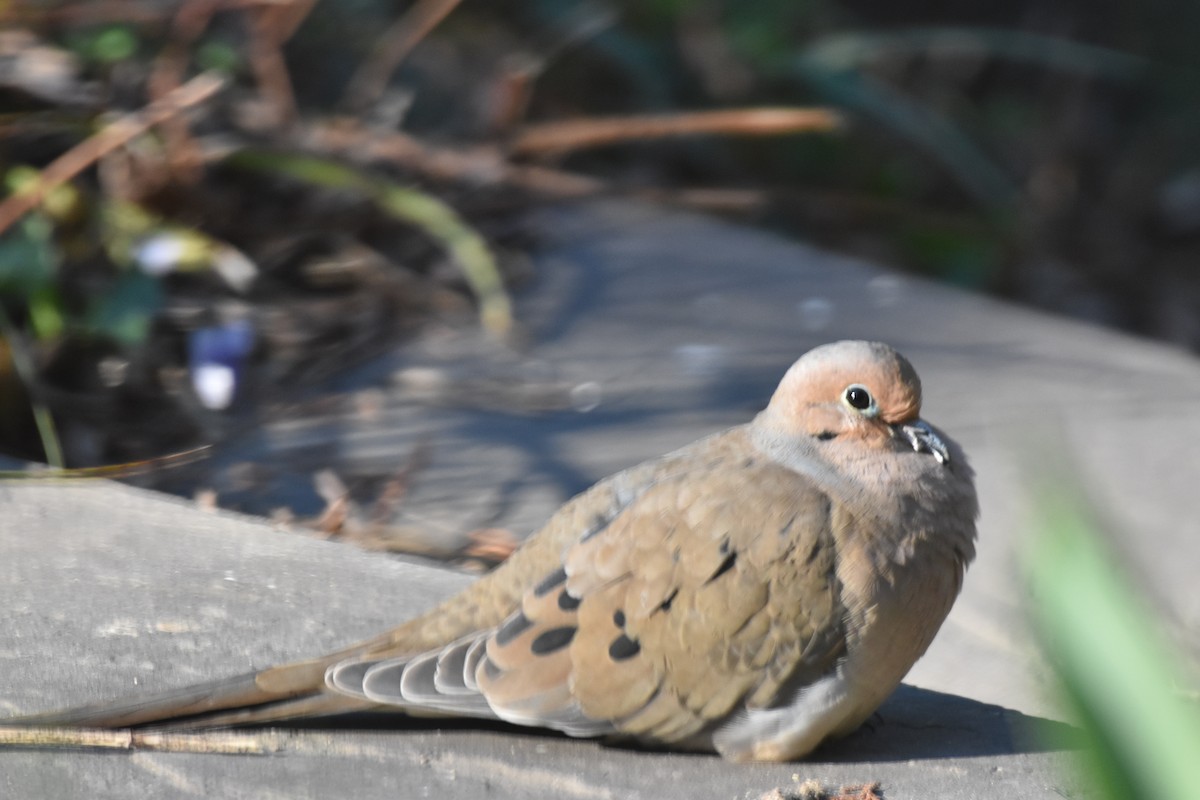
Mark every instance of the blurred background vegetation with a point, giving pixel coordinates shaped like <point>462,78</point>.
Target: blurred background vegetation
<point>250,193</point>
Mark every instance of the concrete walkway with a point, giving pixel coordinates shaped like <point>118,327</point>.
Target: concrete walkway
<point>647,329</point>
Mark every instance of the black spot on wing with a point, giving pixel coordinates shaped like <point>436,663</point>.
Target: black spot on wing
<point>566,602</point>
<point>514,627</point>
<point>623,648</point>
<point>549,582</point>
<point>813,552</point>
<point>665,605</point>
<point>599,523</point>
<point>725,566</point>
<point>553,640</point>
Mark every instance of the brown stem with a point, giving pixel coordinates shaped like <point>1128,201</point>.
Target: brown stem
<point>104,141</point>
<point>559,137</point>
<point>394,46</point>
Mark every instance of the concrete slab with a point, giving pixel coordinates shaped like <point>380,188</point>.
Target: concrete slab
<point>678,325</point>
<point>112,590</point>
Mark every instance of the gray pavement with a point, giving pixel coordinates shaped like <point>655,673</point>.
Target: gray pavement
<point>671,326</point>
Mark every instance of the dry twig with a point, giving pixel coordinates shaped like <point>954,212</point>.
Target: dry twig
<point>490,545</point>
<point>481,165</point>
<point>167,74</point>
<point>104,141</point>
<point>387,505</point>
<point>123,11</point>
<point>211,742</point>
<point>560,137</point>
<point>486,165</point>
<point>271,25</point>
<point>397,42</point>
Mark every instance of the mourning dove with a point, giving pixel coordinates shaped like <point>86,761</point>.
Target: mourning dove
<point>754,593</point>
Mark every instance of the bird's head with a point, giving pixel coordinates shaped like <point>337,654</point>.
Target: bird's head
<point>852,392</point>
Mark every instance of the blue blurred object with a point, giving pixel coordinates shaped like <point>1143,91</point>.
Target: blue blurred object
<point>216,355</point>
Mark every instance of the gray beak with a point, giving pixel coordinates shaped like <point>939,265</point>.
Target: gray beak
<point>924,440</point>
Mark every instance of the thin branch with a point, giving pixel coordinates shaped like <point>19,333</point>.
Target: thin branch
<point>717,200</point>
<point>289,16</point>
<point>560,137</point>
<point>124,11</point>
<point>190,22</point>
<point>22,362</point>
<point>212,742</point>
<point>106,140</point>
<point>481,165</point>
<point>270,69</point>
<point>486,166</point>
<point>397,42</point>
<point>127,469</point>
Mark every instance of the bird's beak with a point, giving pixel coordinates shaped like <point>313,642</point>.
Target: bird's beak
<point>923,439</point>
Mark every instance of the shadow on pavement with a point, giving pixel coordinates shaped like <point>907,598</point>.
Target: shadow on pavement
<point>921,723</point>
<point>913,724</point>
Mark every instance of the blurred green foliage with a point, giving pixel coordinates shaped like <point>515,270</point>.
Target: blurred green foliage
<point>29,258</point>
<point>218,56</point>
<point>105,45</point>
<point>28,265</point>
<point>1124,683</point>
<point>32,257</point>
<point>959,258</point>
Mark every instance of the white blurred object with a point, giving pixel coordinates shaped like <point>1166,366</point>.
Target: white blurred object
<point>165,252</point>
<point>214,385</point>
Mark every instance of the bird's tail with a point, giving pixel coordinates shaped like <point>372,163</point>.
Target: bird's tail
<point>278,693</point>
<point>288,691</point>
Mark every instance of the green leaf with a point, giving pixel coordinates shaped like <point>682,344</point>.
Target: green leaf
<point>46,313</point>
<point>28,257</point>
<point>466,247</point>
<point>114,44</point>
<point>1116,669</point>
<point>125,311</point>
<point>106,45</point>
<point>22,362</point>
<point>218,56</point>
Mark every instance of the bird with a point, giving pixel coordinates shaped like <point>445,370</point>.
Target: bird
<point>755,593</point>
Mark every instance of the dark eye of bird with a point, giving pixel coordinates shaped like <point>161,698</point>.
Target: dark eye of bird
<point>858,397</point>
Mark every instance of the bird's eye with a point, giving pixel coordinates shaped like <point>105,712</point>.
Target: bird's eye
<point>858,397</point>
